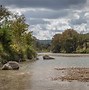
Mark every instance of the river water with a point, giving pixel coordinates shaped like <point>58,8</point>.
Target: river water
<point>37,75</point>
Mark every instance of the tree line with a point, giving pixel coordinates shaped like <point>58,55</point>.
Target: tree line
<point>70,41</point>
<point>16,41</point>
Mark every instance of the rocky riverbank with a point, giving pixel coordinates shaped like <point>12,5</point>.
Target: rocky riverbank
<point>70,74</point>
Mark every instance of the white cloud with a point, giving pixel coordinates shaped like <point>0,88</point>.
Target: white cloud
<point>45,22</point>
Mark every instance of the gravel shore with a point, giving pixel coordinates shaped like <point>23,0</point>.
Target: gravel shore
<point>70,74</point>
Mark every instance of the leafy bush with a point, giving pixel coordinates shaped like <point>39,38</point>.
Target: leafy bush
<point>30,52</point>
<point>16,42</point>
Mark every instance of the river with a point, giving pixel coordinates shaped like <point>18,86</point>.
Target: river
<point>37,75</point>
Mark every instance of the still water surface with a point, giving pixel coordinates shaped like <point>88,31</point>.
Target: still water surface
<point>36,75</point>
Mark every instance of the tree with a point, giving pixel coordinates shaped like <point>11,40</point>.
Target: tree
<point>83,46</point>
<point>69,40</point>
<point>65,42</point>
<point>16,41</point>
<point>4,15</point>
<point>56,43</point>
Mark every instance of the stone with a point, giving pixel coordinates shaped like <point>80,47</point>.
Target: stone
<point>47,57</point>
<point>11,65</point>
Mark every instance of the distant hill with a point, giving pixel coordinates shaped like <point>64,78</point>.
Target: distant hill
<point>44,42</point>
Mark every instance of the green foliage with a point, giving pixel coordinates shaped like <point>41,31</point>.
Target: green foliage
<point>56,48</point>
<point>31,53</point>
<point>4,13</point>
<point>16,42</point>
<point>56,43</point>
<point>43,45</point>
<point>70,42</point>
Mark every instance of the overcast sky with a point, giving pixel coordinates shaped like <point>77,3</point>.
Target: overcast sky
<point>48,17</point>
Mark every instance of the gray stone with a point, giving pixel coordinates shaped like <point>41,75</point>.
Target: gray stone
<point>47,57</point>
<point>11,65</point>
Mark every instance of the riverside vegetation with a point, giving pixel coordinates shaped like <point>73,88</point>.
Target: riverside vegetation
<point>70,41</point>
<point>18,44</point>
<point>16,41</point>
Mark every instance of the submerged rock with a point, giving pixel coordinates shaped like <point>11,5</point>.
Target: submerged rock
<point>47,57</point>
<point>11,65</point>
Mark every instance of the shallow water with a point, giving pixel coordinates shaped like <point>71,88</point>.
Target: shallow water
<point>37,75</point>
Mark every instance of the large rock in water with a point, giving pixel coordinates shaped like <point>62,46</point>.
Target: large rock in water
<point>47,57</point>
<point>11,65</point>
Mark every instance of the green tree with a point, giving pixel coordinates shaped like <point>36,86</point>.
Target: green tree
<point>56,43</point>
<point>65,42</point>
<point>4,13</point>
<point>16,41</point>
<point>69,40</point>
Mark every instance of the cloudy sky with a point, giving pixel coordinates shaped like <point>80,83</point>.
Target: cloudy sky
<point>48,17</point>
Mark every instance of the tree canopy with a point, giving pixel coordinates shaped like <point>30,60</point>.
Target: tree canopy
<point>15,38</point>
<point>70,42</point>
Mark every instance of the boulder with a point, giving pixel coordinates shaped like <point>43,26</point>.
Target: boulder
<point>47,57</point>
<point>11,65</point>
